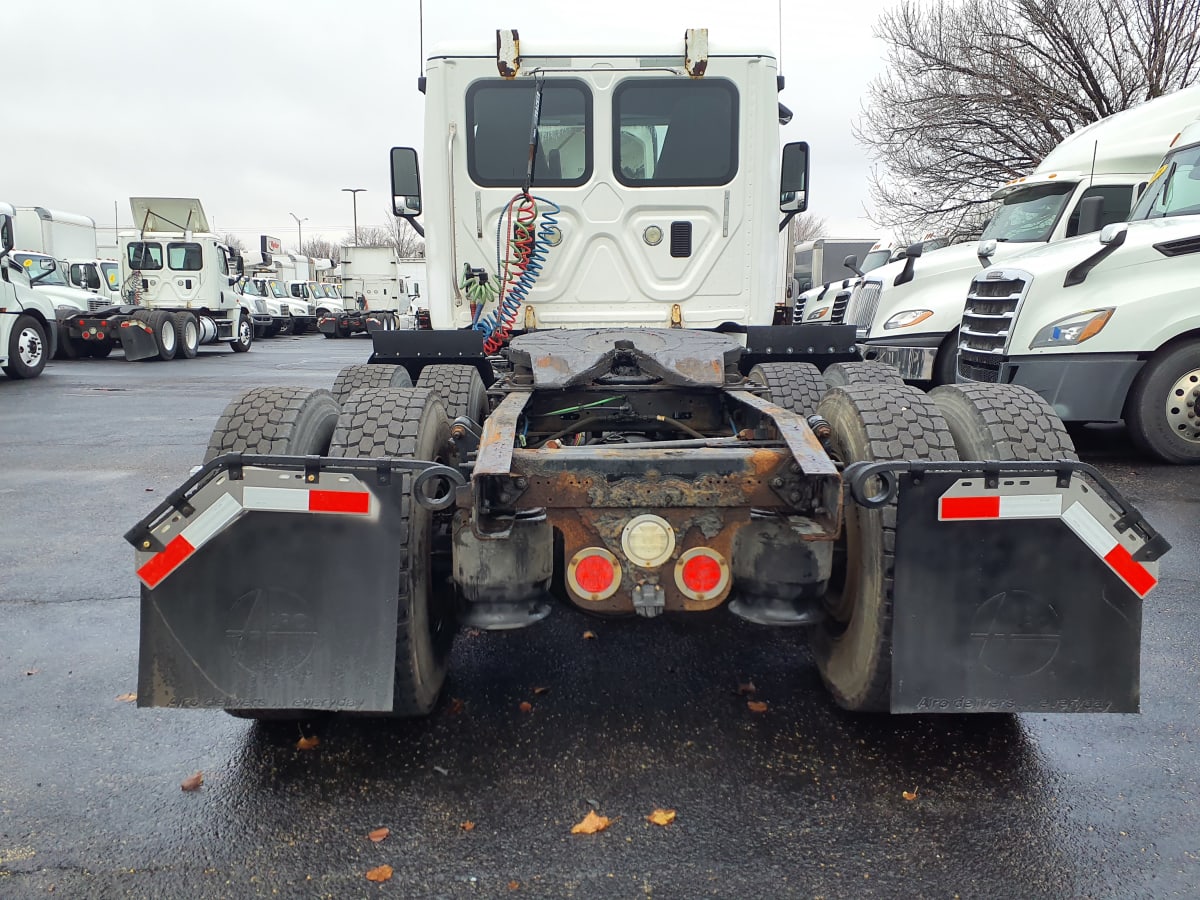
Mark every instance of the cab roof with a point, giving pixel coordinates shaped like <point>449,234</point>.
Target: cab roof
<point>168,215</point>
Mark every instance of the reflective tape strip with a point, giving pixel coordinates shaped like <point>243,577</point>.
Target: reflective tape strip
<point>166,561</point>
<point>304,500</point>
<point>997,506</point>
<point>212,520</point>
<point>1105,546</point>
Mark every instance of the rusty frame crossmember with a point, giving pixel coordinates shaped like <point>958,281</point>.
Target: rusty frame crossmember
<point>708,489</point>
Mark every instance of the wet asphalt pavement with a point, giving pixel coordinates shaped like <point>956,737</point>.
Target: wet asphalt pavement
<point>802,800</point>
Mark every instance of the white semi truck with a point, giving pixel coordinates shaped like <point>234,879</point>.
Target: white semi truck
<point>28,328</point>
<point>1106,329</point>
<point>374,295</point>
<point>907,313</point>
<point>179,283</point>
<point>648,445</point>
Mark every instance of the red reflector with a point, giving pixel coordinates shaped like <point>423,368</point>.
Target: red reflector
<point>87,336</point>
<point>166,561</point>
<point>339,502</point>
<point>594,574</point>
<point>1135,574</point>
<point>971,507</point>
<point>701,574</point>
<point>81,324</point>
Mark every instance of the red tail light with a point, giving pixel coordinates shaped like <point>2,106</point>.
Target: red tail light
<point>594,574</point>
<point>702,574</point>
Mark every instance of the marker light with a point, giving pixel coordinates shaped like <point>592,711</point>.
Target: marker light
<point>648,541</point>
<point>907,318</point>
<point>594,574</point>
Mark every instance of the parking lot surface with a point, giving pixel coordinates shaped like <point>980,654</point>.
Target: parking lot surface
<point>801,800</point>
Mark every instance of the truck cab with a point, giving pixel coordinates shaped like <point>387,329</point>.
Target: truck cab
<point>1105,327</point>
<point>101,277</point>
<point>908,313</point>
<point>28,329</point>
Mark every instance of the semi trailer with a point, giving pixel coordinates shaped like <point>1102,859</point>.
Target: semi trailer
<point>603,417</point>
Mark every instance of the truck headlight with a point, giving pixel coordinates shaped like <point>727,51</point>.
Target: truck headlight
<point>1073,329</point>
<point>906,318</point>
<point>817,314</point>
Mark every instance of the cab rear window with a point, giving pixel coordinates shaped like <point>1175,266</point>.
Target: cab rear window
<point>145,255</point>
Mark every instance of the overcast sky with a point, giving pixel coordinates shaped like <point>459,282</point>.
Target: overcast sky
<point>263,108</point>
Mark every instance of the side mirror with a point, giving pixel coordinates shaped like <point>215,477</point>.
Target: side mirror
<point>1114,233</point>
<point>793,178</point>
<point>406,182</point>
<point>6,235</point>
<point>851,263</point>
<point>915,251</point>
<point>910,257</point>
<point>1090,211</point>
<point>93,279</point>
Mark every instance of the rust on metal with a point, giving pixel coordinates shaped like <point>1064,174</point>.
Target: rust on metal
<point>508,52</point>
<point>795,433</point>
<point>499,431</point>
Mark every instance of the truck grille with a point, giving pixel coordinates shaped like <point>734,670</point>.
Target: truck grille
<point>98,303</point>
<point>798,310</point>
<point>840,302</point>
<point>987,320</point>
<point>861,305</point>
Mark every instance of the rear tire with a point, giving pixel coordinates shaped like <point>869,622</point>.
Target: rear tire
<point>853,647</point>
<point>372,377</point>
<point>99,349</point>
<point>461,389</point>
<point>945,365</point>
<point>188,331</point>
<point>842,374</point>
<point>411,424</point>
<point>1003,422</point>
<point>27,348</point>
<point>286,421</point>
<point>165,337</point>
<point>1163,395</point>
<point>794,386</point>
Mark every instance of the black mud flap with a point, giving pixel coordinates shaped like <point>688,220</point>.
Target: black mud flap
<point>272,587</point>
<point>136,341</point>
<point>1017,591</point>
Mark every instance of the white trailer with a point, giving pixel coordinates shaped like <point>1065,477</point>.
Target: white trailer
<point>28,329</point>
<point>1106,329</point>
<point>179,282</point>
<point>908,313</point>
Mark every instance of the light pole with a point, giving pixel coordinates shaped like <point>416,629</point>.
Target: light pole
<point>354,192</point>
<point>299,233</point>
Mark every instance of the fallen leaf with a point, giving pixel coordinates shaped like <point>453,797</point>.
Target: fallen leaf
<point>540,690</point>
<point>467,825</point>
<point>380,873</point>
<point>307,743</point>
<point>514,885</point>
<point>756,706</point>
<point>909,795</point>
<point>473,632</point>
<point>661,817</point>
<point>456,706</point>
<point>747,688</point>
<point>591,823</point>
<point>127,698</point>
<point>379,834</point>
<point>193,782</point>
<point>589,635</point>
<point>525,706</point>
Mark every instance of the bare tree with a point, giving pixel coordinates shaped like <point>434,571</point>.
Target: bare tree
<point>322,248</point>
<point>807,227</point>
<point>397,233</point>
<point>977,92</point>
<point>234,242</point>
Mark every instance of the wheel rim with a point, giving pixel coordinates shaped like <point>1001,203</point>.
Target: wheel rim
<point>1183,407</point>
<point>30,347</point>
<point>191,335</point>
<point>166,333</point>
<point>244,332</point>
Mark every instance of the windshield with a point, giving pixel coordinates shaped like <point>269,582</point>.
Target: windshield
<point>253,288</point>
<point>1029,214</point>
<point>112,274</point>
<point>331,290</point>
<point>875,259</point>
<point>40,269</point>
<point>276,289</point>
<point>1175,189</point>
<point>316,289</point>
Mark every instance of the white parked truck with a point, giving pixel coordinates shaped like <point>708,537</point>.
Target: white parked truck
<point>1106,329</point>
<point>179,283</point>
<point>70,239</point>
<point>908,313</point>
<point>28,328</point>
<point>374,295</point>
<point>648,445</point>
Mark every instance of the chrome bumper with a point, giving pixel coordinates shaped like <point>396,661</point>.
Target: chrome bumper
<point>914,363</point>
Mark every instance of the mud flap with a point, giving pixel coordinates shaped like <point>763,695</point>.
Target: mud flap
<point>1018,592</point>
<point>136,341</point>
<point>272,588</point>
